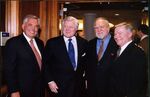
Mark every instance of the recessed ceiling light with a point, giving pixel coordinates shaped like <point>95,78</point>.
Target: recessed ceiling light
<point>116,14</point>
<point>67,2</point>
<point>143,1</point>
<point>64,9</point>
<point>145,9</point>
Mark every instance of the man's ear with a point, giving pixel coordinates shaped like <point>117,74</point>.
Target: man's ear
<point>130,34</point>
<point>23,26</point>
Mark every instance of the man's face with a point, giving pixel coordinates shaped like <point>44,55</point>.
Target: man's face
<point>122,35</point>
<point>31,27</point>
<point>101,28</point>
<point>139,33</point>
<point>69,29</point>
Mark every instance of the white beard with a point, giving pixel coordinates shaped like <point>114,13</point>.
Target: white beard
<point>101,36</point>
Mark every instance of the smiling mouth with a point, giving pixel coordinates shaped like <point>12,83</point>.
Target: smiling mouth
<point>31,31</point>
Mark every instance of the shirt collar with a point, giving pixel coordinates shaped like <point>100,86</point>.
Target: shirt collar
<point>66,38</point>
<point>27,38</point>
<point>106,38</point>
<point>124,46</point>
<point>144,37</point>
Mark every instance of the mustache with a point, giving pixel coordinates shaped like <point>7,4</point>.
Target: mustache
<point>101,36</point>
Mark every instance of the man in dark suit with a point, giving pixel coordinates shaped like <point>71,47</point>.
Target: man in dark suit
<point>144,42</point>
<point>64,73</point>
<point>98,67</point>
<point>129,69</point>
<point>143,33</point>
<point>22,61</point>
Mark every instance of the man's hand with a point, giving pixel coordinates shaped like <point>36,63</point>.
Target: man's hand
<point>53,86</point>
<point>15,94</point>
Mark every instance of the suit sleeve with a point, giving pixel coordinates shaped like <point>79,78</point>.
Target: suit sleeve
<point>10,62</point>
<point>139,75</point>
<point>47,59</point>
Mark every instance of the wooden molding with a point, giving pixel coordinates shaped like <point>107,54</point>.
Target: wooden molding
<point>53,18</point>
<point>12,17</point>
<point>43,21</point>
<point>49,19</point>
<point>90,1</point>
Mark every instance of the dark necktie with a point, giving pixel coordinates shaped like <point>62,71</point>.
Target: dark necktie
<point>100,50</point>
<point>38,58</point>
<point>118,52</point>
<point>71,53</point>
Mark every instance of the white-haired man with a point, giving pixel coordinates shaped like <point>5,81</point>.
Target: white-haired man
<point>64,59</point>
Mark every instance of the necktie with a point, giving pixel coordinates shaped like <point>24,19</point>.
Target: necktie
<point>100,50</point>
<point>36,54</point>
<point>71,53</point>
<point>118,52</point>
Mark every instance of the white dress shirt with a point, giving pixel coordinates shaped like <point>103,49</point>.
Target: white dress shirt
<point>34,42</point>
<point>124,46</point>
<point>143,37</point>
<point>74,42</point>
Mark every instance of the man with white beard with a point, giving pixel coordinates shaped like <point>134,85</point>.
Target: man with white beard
<point>101,53</point>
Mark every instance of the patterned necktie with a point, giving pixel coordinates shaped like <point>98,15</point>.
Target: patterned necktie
<point>36,54</point>
<point>71,53</point>
<point>100,50</point>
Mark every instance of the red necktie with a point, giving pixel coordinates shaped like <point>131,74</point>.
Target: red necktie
<point>36,54</point>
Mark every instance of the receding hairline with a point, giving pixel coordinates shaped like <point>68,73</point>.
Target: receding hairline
<point>71,18</point>
<point>27,17</point>
<point>103,19</point>
<point>121,24</point>
<point>126,25</point>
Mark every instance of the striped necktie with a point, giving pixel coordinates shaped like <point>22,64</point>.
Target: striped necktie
<point>100,50</point>
<point>38,58</point>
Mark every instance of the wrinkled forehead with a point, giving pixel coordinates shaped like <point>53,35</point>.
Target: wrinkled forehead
<point>101,22</point>
<point>32,20</point>
<point>69,23</point>
<point>121,29</point>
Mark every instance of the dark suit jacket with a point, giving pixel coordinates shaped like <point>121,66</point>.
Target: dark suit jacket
<point>59,68</point>
<point>129,73</point>
<point>98,73</point>
<point>21,68</point>
<point>144,44</point>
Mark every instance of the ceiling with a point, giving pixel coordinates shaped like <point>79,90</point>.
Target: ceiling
<point>106,5</point>
<point>83,1</point>
<point>124,10</point>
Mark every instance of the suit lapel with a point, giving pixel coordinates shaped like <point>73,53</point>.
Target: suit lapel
<point>26,45</point>
<point>79,50</point>
<point>64,52</point>
<point>95,48</point>
<point>109,47</point>
<point>40,47</point>
<point>126,51</point>
<point>28,49</point>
